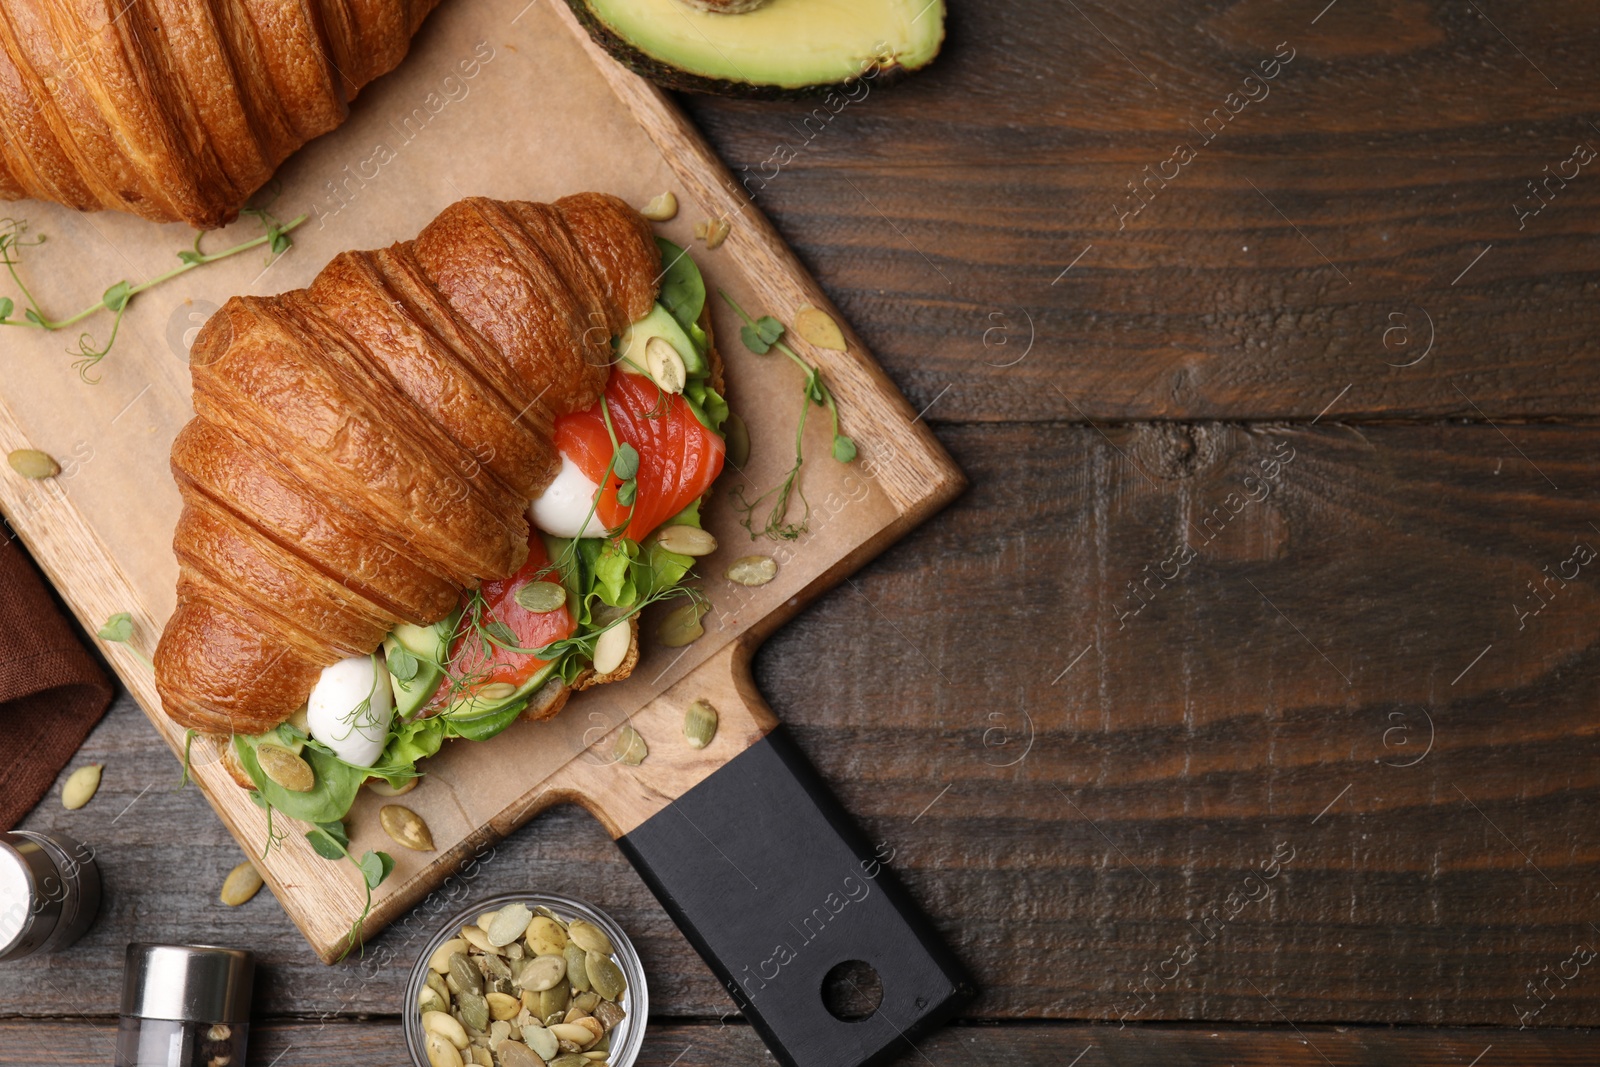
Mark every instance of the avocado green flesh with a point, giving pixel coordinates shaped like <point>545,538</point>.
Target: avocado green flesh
<point>659,323</point>
<point>467,709</point>
<point>428,644</point>
<point>786,44</point>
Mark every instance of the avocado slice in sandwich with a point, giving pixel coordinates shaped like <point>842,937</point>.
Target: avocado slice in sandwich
<point>765,48</point>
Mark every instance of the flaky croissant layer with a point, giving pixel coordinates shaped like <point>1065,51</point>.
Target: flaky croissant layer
<point>179,109</point>
<point>367,447</point>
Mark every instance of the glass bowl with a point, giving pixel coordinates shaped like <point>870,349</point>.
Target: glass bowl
<point>626,1039</point>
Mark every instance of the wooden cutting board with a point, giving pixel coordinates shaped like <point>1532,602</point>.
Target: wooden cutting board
<point>507,99</point>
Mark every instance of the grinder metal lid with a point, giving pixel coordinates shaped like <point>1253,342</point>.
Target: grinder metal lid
<point>188,983</point>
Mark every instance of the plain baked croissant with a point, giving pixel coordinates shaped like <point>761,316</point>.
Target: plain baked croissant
<point>366,448</point>
<point>179,109</point>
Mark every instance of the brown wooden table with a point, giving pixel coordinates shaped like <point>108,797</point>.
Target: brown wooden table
<point>1244,711</point>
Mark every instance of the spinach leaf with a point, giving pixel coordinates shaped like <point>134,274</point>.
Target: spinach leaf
<point>327,801</point>
<point>683,291</point>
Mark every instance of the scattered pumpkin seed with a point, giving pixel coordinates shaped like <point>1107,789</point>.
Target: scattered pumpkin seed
<point>546,937</point>
<point>441,1053</point>
<point>445,1025</point>
<point>481,1056</point>
<point>752,570</point>
<point>436,983</point>
<point>818,327</point>
<point>717,231</point>
<point>439,962</point>
<point>80,786</point>
<point>553,1002</point>
<point>509,924</point>
<point>542,973</point>
<point>242,883</point>
<point>577,967</point>
<point>405,827</point>
<point>681,626</point>
<point>571,1059</point>
<point>630,747</point>
<point>609,1014</point>
<point>686,540</point>
<point>611,647</point>
<point>495,966</point>
<point>592,1025</point>
<point>699,724</point>
<point>499,1031</point>
<point>31,463</point>
<point>479,940</point>
<point>384,789</point>
<point>285,768</point>
<point>737,435</point>
<point>541,597</point>
<point>540,1040</point>
<point>429,1000</point>
<point>665,365</point>
<point>661,208</point>
<point>492,692</point>
<point>589,937</point>
<point>585,1003</point>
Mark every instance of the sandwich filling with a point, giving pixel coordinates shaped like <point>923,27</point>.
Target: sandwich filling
<point>634,467</point>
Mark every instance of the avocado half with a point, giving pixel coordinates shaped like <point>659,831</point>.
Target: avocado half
<point>776,48</point>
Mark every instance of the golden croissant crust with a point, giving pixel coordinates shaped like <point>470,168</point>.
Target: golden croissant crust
<point>179,109</point>
<point>367,447</point>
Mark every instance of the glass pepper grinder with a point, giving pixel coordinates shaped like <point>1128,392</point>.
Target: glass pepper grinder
<point>185,1006</point>
<point>49,892</point>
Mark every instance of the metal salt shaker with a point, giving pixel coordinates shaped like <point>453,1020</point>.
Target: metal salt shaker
<point>185,1006</point>
<point>49,892</point>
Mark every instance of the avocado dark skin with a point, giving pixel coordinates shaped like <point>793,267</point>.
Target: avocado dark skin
<point>670,77</point>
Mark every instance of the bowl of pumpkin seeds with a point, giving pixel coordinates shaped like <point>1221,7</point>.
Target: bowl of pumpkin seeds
<point>527,980</point>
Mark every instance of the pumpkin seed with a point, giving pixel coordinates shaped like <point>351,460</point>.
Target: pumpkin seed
<point>540,1040</point>
<point>585,1003</point>
<point>592,1025</point>
<point>554,1001</point>
<point>502,1006</point>
<point>818,327</point>
<point>429,1000</point>
<point>752,570</point>
<point>541,973</point>
<point>514,1054</point>
<point>492,693</point>
<point>514,950</point>
<point>31,463</point>
<point>546,936</point>
<point>686,540</point>
<point>468,978</point>
<point>738,438</point>
<point>608,1014</point>
<point>630,747</point>
<point>541,597</point>
<point>477,939</point>
<point>80,786</point>
<point>571,1059</point>
<point>242,883</point>
<point>605,976</point>
<point>499,1030</point>
<point>445,1025</point>
<point>699,724</point>
<point>611,647</point>
<point>681,626</point>
<point>574,1033</point>
<point>665,365</point>
<point>717,231</point>
<point>474,1009</point>
<point>577,967</point>
<point>285,768</point>
<point>436,983</point>
<point>496,967</point>
<point>481,1056</point>
<point>439,962</point>
<point>405,827</point>
<point>661,208</point>
<point>384,789</point>
<point>509,924</point>
<point>441,1053</point>
<point>589,937</point>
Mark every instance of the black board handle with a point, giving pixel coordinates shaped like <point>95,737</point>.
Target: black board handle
<point>776,886</point>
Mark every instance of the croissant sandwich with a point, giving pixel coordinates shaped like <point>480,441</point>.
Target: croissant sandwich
<point>430,494</point>
<point>179,109</point>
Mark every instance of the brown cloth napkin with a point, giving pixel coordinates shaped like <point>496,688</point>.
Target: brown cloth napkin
<point>51,691</point>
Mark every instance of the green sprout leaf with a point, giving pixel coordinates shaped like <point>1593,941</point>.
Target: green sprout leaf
<point>117,628</point>
<point>116,297</point>
<point>33,317</point>
<point>751,337</point>
<point>6,307</point>
<point>375,867</point>
<point>627,464</point>
<point>627,493</point>
<point>844,449</point>
<point>402,664</point>
<point>324,845</point>
<point>769,329</point>
<point>193,259</point>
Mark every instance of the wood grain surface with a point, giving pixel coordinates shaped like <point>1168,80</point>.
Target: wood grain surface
<point>1351,680</point>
